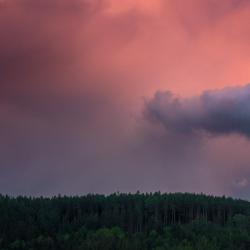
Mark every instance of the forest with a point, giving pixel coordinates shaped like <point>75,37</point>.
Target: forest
<point>150,221</point>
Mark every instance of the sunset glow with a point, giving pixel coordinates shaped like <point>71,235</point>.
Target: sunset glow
<point>113,95</point>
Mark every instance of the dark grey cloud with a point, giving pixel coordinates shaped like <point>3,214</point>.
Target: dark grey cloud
<point>218,112</point>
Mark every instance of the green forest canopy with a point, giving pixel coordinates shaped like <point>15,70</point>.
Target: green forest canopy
<point>124,221</point>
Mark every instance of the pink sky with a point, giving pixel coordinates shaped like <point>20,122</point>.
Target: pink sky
<point>74,75</point>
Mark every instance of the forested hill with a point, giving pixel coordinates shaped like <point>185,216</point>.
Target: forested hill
<point>123,221</point>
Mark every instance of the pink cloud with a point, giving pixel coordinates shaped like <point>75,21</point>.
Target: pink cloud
<point>72,77</point>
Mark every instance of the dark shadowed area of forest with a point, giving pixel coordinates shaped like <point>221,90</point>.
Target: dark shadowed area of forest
<point>151,221</point>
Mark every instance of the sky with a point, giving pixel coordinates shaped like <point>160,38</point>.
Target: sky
<point>100,96</point>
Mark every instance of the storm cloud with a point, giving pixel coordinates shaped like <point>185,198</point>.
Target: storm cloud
<point>218,112</point>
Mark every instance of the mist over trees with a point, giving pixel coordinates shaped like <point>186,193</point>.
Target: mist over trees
<point>124,221</point>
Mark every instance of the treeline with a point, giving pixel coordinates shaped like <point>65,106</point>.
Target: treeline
<point>124,221</point>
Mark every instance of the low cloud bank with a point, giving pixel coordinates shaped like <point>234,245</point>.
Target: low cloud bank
<point>219,112</point>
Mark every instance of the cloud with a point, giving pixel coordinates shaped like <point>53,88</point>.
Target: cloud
<point>242,183</point>
<point>72,74</point>
<point>218,112</point>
